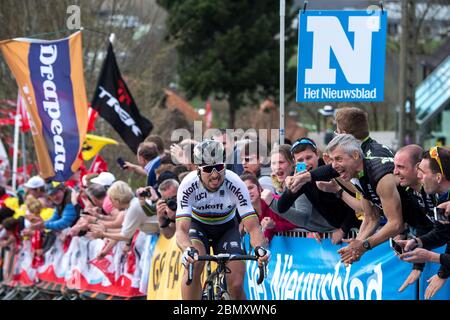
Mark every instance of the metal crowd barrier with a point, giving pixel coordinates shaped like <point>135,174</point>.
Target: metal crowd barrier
<point>303,233</point>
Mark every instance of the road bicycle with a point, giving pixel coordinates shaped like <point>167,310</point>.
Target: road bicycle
<point>215,286</point>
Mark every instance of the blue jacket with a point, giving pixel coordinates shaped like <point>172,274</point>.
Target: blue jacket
<point>150,168</point>
<point>65,215</point>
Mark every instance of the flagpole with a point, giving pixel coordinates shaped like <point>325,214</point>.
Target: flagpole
<point>24,157</point>
<point>282,17</point>
<point>16,147</point>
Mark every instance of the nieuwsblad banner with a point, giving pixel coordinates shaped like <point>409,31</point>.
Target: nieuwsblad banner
<point>341,55</point>
<point>50,78</point>
<point>302,269</point>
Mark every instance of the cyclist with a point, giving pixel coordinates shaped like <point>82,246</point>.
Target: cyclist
<point>208,200</point>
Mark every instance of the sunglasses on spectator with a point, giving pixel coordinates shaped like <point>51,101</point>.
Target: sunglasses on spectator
<point>434,153</point>
<point>210,168</point>
<point>303,141</point>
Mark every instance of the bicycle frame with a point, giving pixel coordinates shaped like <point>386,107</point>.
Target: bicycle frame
<point>215,286</point>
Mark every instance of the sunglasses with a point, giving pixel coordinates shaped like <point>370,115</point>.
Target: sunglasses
<point>434,153</point>
<point>209,169</point>
<point>303,141</point>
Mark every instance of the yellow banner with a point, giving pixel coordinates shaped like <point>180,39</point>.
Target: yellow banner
<point>166,271</point>
<point>93,144</point>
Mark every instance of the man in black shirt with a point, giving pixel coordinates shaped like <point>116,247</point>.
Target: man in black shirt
<point>406,162</point>
<point>434,173</point>
<point>378,186</point>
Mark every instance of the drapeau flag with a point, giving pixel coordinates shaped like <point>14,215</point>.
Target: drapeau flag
<point>50,78</point>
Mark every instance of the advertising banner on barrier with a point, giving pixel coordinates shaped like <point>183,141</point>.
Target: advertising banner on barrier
<point>166,271</point>
<point>430,270</point>
<point>121,273</point>
<point>302,269</point>
<point>24,274</point>
<point>53,269</point>
<point>341,55</point>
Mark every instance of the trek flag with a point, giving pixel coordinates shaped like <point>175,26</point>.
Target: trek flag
<point>114,103</point>
<point>50,78</point>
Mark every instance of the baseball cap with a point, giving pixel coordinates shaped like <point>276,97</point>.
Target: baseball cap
<point>104,179</point>
<point>34,183</point>
<point>53,186</point>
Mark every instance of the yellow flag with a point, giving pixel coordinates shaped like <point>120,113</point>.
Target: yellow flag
<point>93,144</point>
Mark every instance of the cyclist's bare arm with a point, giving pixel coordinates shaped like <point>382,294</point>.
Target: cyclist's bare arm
<point>253,228</point>
<point>182,233</point>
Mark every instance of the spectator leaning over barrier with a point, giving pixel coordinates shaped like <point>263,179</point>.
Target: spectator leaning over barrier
<point>166,207</point>
<point>100,213</point>
<point>65,214</point>
<point>135,219</point>
<point>100,199</point>
<point>434,173</point>
<point>377,185</point>
<point>252,158</point>
<point>376,182</point>
<point>282,165</point>
<point>330,205</point>
<point>406,162</point>
<point>5,212</point>
<point>271,223</point>
<point>13,229</point>
<point>302,213</point>
<point>34,214</point>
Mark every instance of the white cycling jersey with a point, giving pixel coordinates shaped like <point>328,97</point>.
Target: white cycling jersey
<point>214,208</point>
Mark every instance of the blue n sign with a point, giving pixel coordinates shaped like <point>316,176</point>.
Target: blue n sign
<point>341,56</point>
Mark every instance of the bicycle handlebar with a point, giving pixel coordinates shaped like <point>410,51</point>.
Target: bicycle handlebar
<point>224,257</point>
<point>231,257</point>
<point>190,274</point>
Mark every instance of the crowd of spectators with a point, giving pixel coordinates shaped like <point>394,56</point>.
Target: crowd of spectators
<point>355,183</point>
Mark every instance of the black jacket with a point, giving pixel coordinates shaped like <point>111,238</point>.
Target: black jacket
<point>439,236</point>
<point>334,210</point>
